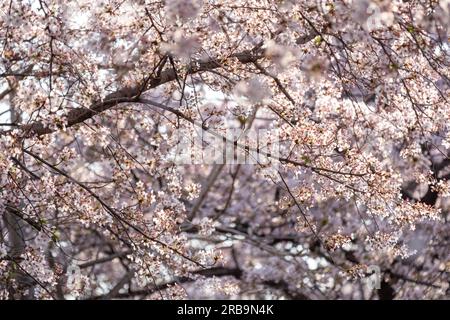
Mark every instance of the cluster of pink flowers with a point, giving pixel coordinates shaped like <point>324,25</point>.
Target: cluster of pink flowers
<point>97,99</point>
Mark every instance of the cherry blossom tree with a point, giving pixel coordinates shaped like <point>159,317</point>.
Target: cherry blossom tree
<point>342,193</point>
